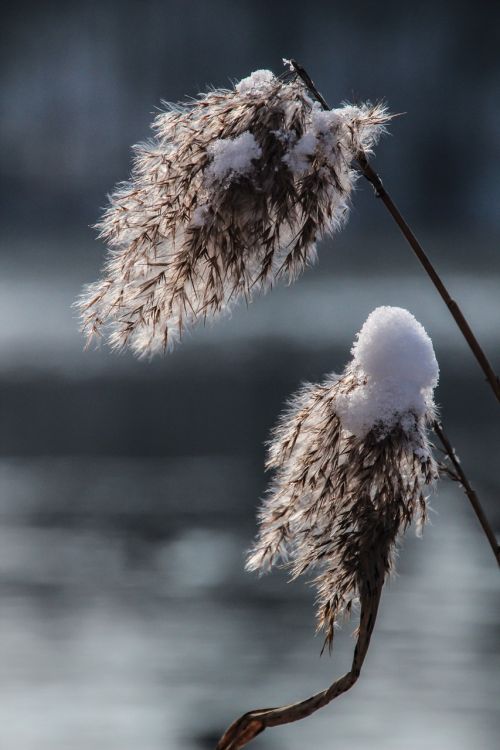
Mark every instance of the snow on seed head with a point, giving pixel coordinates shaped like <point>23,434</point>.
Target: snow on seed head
<point>256,83</point>
<point>392,343</point>
<point>397,370</point>
<point>230,196</point>
<point>352,462</point>
<point>232,156</point>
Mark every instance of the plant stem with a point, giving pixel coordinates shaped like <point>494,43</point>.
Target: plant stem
<point>248,726</point>
<point>372,177</point>
<point>461,477</point>
<point>491,377</point>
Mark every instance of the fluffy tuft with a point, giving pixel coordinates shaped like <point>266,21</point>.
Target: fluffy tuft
<point>340,499</point>
<point>229,196</point>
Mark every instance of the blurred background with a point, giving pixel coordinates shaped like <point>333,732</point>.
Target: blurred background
<point>129,488</point>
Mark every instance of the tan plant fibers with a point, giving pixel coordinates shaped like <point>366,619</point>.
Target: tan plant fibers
<point>337,505</point>
<point>339,501</point>
<point>230,195</point>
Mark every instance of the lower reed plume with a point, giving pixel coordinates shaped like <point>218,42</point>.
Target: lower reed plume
<point>352,463</point>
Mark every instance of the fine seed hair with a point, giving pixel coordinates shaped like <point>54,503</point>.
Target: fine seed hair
<point>230,195</point>
<point>352,461</point>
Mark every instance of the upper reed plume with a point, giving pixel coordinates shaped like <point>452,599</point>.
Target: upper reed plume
<point>352,461</point>
<point>231,194</point>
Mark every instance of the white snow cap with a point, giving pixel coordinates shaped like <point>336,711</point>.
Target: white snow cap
<point>256,83</point>
<point>395,356</point>
<point>233,155</point>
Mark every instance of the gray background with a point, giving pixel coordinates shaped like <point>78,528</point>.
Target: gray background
<point>129,488</point>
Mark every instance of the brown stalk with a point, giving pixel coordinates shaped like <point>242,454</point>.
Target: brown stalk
<point>459,476</point>
<point>248,726</point>
<point>491,377</point>
<point>373,178</point>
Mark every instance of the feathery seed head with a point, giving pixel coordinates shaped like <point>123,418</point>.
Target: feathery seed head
<point>352,461</point>
<point>230,195</point>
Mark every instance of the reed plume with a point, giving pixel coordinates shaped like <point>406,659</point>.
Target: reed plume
<point>229,196</point>
<point>352,461</point>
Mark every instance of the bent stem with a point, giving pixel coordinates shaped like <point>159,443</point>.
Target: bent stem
<point>373,178</point>
<point>248,726</point>
<point>491,377</point>
<point>458,475</point>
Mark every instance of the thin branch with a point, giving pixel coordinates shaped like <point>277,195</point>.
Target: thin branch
<point>372,177</point>
<point>460,476</point>
<point>248,726</point>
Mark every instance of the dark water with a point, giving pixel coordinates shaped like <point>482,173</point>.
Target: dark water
<point>127,500</point>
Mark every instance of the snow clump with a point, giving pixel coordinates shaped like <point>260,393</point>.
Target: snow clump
<point>232,156</point>
<point>257,83</point>
<point>322,135</point>
<point>397,371</point>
